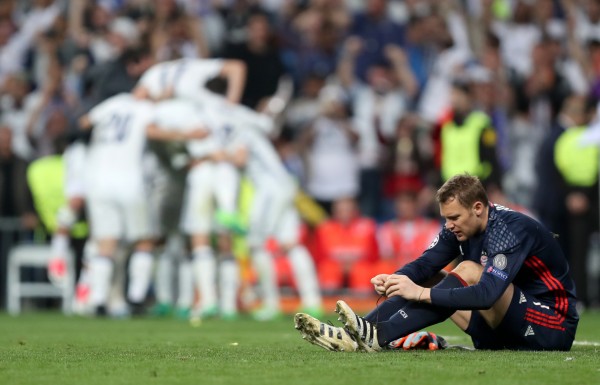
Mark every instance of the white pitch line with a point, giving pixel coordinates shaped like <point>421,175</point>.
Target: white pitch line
<point>586,343</point>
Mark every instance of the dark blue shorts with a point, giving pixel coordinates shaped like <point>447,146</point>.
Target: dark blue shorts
<point>519,330</point>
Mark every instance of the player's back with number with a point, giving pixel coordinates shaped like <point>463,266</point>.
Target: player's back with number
<point>118,143</point>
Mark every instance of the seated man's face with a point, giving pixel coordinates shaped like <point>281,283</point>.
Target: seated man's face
<point>344,210</point>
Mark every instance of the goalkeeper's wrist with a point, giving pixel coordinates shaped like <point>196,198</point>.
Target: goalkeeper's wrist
<point>420,294</point>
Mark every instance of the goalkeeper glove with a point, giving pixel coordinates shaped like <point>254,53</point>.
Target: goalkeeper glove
<point>419,340</point>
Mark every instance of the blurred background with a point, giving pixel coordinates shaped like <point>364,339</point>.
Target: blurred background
<point>380,101</point>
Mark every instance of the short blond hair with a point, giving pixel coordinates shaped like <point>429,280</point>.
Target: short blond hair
<point>467,189</point>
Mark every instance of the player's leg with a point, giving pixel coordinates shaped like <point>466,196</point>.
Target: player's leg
<point>517,321</point>
<point>226,196</point>
<point>106,228</point>
<point>141,232</point>
<point>197,223</point>
<point>262,260</point>
<point>408,317</point>
<point>229,277</point>
<point>470,273</point>
<point>303,266</point>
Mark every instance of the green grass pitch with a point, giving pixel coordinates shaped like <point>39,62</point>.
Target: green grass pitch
<point>49,348</point>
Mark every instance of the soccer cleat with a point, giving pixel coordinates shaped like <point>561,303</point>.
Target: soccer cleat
<point>363,331</point>
<point>326,336</point>
<point>232,222</point>
<point>161,309</point>
<point>266,314</point>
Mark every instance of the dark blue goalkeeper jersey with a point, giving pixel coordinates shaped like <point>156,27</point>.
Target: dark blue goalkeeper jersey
<point>514,248</point>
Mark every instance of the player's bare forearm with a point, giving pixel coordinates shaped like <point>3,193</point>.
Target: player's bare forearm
<point>401,285</point>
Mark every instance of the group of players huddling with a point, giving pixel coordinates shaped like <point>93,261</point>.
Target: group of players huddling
<point>222,140</point>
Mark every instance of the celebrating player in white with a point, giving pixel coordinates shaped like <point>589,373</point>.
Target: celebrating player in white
<point>118,207</point>
<point>210,181</point>
<point>272,215</point>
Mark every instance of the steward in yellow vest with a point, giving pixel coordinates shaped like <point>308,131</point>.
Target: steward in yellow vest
<point>468,141</point>
<point>577,164</point>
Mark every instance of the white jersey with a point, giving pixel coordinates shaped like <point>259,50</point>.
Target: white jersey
<point>184,115</point>
<point>186,77</point>
<point>117,145</point>
<point>263,161</point>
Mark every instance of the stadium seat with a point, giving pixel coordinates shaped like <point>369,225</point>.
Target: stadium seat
<point>359,279</point>
<point>330,274</point>
<point>36,256</point>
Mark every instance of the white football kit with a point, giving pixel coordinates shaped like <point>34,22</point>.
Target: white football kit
<point>207,182</point>
<point>273,214</point>
<point>186,78</point>
<point>117,203</point>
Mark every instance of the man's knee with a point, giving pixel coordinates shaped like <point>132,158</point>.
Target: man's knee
<point>469,271</point>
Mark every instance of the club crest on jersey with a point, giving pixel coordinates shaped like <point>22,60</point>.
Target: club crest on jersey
<point>483,259</point>
<point>500,261</point>
<point>434,242</point>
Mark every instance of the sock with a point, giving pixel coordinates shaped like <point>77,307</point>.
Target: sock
<point>60,245</point>
<point>117,305</point>
<point>185,292</point>
<point>101,272</point>
<point>267,278</point>
<point>204,267</point>
<point>140,275</point>
<point>229,283</point>
<point>414,316</point>
<point>163,281</point>
<point>305,276</point>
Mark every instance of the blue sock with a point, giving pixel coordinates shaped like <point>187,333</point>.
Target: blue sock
<point>409,316</point>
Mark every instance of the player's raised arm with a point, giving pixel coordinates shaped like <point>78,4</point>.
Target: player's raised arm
<point>154,132</point>
<point>235,73</point>
<point>85,123</point>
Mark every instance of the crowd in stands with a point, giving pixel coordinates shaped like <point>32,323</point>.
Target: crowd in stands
<point>380,102</point>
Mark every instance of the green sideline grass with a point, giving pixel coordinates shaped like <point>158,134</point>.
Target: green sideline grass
<point>52,349</point>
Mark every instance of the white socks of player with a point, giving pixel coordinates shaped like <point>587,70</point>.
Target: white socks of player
<point>140,276</point>
<point>163,282</point>
<point>228,285</point>
<point>265,267</point>
<point>305,276</point>
<point>205,271</point>
<point>185,292</point>
<point>101,272</point>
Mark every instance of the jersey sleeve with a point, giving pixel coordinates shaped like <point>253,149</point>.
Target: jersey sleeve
<point>442,250</point>
<point>101,111</point>
<point>507,249</point>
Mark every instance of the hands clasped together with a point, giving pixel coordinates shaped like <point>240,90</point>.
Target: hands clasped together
<point>392,285</point>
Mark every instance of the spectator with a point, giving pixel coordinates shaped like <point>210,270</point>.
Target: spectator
<point>403,239</point>
<point>348,247</point>
<point>263,60</point>
<point>468,140</point>
<point>329,148</point>
<point>376,30</point>
<point>578,168</point>
<point>377,105</point>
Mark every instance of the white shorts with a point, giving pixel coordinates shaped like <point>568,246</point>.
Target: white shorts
<point>117,218</point>
<point>273,215</point>
<point>198,206</point>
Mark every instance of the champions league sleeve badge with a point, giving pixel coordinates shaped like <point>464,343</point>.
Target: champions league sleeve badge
<point>500,261</point>
<point>434,242</point>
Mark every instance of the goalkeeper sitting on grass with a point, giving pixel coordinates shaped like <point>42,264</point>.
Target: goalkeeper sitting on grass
<point>511,291</point>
